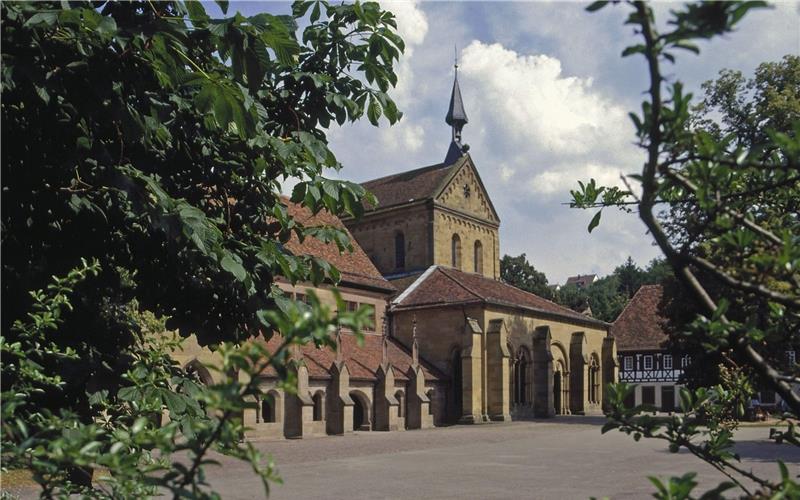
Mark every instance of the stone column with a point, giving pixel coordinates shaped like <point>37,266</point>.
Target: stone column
<point>609,368</point>
<point>340,402</point>
<point>471,373</point>
<point>418,415</point>
<point>499,407</point>
<point>299,408</point>
<point>579,377</point>
<point>386,403</point>
<point>542,373</point>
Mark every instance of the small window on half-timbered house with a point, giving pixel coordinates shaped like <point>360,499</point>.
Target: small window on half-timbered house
<point>628,363</point>
<point>648,362</point>
<point>668,362</point>
<point>685,361</point>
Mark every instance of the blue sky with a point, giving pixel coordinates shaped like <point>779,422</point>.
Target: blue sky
<point>547,96</point>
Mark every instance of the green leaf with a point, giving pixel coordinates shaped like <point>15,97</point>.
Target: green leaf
<point>597,5</point>
<point>234,267</point>
<point>373,111</point>
<point>595,220</point>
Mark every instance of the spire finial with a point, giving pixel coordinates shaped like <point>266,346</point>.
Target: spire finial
<point>456,117</point>
<point>414,344</point>
<point>339,346</point>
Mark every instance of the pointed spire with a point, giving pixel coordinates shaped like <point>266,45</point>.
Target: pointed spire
<point>339,347</point>
<point>384,346</point>
<point>414,344</point>
<point>456,118</point>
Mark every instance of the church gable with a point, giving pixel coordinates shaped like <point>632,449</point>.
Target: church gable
<point>463,191</point>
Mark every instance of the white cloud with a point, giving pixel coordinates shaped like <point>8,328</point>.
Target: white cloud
<point>412,26</point>
<point>562,179</point>
<point>552,128</point>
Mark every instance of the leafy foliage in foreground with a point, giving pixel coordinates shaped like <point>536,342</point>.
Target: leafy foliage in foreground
<point>149,141</point>
<point>736,253</point>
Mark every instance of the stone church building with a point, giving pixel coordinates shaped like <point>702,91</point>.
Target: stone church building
<point>452,343</point>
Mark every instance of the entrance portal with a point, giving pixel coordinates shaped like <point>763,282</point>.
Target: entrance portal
<point>361,421</point>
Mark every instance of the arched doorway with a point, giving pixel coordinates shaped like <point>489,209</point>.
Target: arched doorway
<point>457,387</point>
<point>361,420</point>
<point>557,392</point>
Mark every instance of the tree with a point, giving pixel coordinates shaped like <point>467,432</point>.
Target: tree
<point>739,248</point>
<point>747,108</point>
<point>519,272</point>
<point>630,277</point>
<point>143,146</point>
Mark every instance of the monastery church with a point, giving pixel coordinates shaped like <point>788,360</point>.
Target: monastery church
<point>452,343</point>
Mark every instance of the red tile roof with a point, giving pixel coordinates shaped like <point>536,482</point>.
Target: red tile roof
<point>444,286</point>
<point>414,185</point>
<point>355,266</point>
<point>639,325</point>
<point>362,361</point>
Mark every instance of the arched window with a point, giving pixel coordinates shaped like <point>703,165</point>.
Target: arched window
<point>455,252</point>
<point>319,406</point>
<point>430,401</point>
<point>399,250</point>
<point>478,257</point>
<point>268,409</point>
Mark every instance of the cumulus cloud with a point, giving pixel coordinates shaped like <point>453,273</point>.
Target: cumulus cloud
<point>547,96</point>
<point>556,128</point>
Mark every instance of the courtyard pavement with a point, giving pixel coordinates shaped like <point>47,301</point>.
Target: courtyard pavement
<point>560,458</point>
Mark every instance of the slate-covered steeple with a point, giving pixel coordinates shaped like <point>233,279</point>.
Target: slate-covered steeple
<point>456,118</point>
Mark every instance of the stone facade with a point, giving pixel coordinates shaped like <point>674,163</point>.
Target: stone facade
<point>448,221</point>
<point>509,363</point>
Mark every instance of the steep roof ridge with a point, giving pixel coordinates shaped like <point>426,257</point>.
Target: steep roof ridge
<point>628,305</point>
<point>422,277</point>
<point>565,311</point>
<point>435,166</point>
<point>462,285</point>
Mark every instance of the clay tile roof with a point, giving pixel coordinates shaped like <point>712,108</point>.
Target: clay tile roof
<point>362,361</point>
<point>639,325</point>
<point>581,280</point>
<point>443,285</point>
<point>419,184</point>
<point>355,266</point>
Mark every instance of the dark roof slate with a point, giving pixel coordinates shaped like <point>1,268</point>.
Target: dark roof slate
<point>640,325</point>
<point>445,285</point>
<point>355,266</point>
<point>362,361</point>
<point>414,185</point>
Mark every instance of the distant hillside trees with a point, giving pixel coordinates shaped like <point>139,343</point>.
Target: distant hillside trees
<point>606,297</point>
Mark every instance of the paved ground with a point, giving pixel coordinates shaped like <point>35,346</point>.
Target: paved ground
<point>561,458</point>
<point>555,459</point>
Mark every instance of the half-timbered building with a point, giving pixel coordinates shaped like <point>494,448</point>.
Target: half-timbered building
<point>640,334</point>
